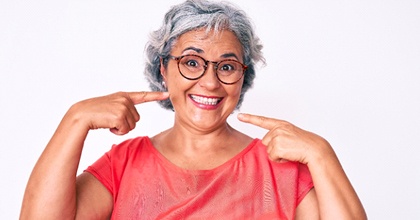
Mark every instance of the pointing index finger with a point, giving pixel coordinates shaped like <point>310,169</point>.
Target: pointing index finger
<point>141,97</point>
<point>260,121</point>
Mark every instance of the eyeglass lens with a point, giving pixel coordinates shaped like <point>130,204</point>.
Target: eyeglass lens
<point>193,67</point>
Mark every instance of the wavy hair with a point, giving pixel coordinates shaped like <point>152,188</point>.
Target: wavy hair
<point>196,14</point>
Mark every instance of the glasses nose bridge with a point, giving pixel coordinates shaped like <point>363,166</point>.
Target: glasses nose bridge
<point>206,68</point>
<point>215,64</point>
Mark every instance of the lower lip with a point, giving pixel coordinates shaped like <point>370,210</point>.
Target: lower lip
<point>204,106</point>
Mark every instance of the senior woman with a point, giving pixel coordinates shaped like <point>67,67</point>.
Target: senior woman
<point>200,65</point>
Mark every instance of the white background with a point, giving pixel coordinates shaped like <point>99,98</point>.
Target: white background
<point>347,70</point>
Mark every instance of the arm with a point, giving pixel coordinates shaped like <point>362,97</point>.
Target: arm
<point>94,201</point>
<point>335,196</point>
<point>308,208</point>
<point>53,191</point>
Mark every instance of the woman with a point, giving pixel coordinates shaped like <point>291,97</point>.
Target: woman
<point>200,64</point>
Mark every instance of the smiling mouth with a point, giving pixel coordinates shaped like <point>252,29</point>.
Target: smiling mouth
<point>205,100</point>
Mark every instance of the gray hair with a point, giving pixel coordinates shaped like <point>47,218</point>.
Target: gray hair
<point>192,15</point>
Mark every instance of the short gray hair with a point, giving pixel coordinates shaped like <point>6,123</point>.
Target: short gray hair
<point>192,15</point>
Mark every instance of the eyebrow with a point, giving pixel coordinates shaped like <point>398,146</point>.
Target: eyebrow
<point>200,51</point>
<point>230,55</point>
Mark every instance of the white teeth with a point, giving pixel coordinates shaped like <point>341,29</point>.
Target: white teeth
<point>205,101</point>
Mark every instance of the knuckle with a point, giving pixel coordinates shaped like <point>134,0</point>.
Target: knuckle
<point>119,116</point>
<point>277,138</point>
<point>261,119</point>
<point>125,101</point>
<point>137,117</point>
<point>132,126</point>
<point>277,131</point>
<point>118,94</point>
<point>143,94</point>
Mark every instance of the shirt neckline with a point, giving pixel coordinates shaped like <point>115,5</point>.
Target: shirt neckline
<point>176,168</point>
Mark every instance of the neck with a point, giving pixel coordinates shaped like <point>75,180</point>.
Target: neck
<point>191,148</point>
<point>196,141</point>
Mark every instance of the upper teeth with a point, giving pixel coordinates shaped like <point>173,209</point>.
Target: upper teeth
<point>204,100</point>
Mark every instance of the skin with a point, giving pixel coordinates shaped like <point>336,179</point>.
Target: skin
<point>53,192</point>
<point>335,197</point>
<point>201,130</point>
<point>203,134</point>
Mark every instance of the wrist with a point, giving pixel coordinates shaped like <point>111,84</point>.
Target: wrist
<point>322,152</point>
<point>74,118</point>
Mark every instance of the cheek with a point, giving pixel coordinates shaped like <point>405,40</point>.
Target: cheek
<point>177,87</point>
<point>174,90</point>
<point>237,89</point>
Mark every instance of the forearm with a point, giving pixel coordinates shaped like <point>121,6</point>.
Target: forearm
<point>336,197</point>
<point>51,189</point>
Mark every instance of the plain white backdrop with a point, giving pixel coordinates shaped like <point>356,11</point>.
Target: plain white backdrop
<point>347,70</point>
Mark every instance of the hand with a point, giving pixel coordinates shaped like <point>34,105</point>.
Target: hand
<point>116,111</point>
<point>285,141</point>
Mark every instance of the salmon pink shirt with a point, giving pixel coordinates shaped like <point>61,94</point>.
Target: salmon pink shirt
<point>145,185</point>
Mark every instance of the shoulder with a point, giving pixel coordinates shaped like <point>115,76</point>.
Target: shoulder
<point>130,146</point>
<point>280,169</point>
<point>285,177</point>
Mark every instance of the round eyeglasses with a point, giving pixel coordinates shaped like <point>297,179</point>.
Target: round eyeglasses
<point>193,67</point>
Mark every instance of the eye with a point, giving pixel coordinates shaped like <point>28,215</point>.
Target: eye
<point>227,67</point>
<point>192,63</point>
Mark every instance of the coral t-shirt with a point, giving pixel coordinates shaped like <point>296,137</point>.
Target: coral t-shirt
<point>145,185</point>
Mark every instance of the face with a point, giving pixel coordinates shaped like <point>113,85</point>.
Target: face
<point>203,104</point>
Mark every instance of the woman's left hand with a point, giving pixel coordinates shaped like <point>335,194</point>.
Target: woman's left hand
<point>335,196</point>
<point>285,141</point>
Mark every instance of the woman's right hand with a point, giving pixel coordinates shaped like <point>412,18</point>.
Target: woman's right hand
<point>57,166</point>
<point>115,111</point>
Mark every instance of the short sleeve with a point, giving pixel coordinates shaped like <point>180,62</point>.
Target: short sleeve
<point>110,168</point>
<point>305,182</point>
<point>102,171</point>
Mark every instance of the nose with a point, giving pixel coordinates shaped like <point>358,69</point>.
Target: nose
<point>209,80</point>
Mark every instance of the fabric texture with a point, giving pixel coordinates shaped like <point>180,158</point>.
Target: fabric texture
<point>145,185</point>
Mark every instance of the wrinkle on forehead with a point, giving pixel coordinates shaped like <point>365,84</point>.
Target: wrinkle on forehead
<point>203,41</point>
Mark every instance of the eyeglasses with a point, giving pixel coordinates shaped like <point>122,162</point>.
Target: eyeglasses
<point>193,67</point>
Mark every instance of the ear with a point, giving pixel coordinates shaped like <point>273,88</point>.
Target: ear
<point>162,69</point>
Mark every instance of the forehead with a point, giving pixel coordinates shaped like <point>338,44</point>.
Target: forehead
<point>209,42</point>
